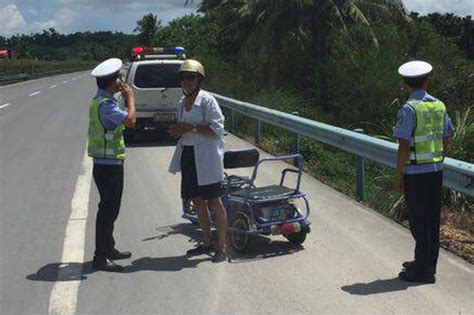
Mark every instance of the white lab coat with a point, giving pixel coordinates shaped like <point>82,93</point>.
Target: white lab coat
<point>208,152</point>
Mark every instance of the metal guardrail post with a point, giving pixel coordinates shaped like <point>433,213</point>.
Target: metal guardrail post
<point>360,174</point>
<point>296,143</point>
<point>231,119</point>
<point>258,130</point>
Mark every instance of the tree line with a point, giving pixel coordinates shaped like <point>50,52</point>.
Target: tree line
<point>88,46</point>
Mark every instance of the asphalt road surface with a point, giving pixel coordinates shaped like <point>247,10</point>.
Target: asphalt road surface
<point>348,264</point>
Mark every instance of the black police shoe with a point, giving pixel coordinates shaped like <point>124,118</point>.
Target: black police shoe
<point>408,264</point>
<point>410,275</point>
<point>105,264</point>
<point>412,265</point>
<point>117,255</point>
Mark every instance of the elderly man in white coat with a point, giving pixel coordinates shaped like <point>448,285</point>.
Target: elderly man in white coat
<point>199,155</point>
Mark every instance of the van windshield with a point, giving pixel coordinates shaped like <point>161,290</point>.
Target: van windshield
<point>157,76</point>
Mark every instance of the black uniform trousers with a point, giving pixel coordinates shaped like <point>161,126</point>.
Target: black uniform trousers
<point>109,181</point>
<point>423,197</point>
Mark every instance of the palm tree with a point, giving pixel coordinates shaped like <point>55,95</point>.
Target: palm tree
<point>205,5</point>
<point>148,27</point>
<point>265,24</point>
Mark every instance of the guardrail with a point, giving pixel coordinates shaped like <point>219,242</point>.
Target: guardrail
<point>458,175</point>
<point>29,76</point>
<point>16,77</point>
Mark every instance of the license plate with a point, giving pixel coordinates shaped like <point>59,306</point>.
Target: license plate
<point>280,213</point>
<point>164,117</point>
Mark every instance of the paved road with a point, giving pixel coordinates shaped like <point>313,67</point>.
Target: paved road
<point>348,264</point>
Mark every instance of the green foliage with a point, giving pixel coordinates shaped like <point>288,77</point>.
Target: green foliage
<point>199,36</point>
<point>195,33</point>
<point>50,45</point>
<point>287,28</point>
<point>462,145</point>
<point>460,29</point>
<point>370,83</point>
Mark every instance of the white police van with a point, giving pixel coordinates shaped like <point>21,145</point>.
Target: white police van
<point>153,77</point>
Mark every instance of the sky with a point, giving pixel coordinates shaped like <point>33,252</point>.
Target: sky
<point>67,16</point>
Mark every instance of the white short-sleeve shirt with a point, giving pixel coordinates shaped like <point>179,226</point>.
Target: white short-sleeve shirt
<point>208,152</point>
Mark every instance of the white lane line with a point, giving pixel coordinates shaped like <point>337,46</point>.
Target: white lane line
<point>63,299</point>
<point>4,105</point>
<point>35,93</point>
<point>53,86</point>
<point>65,82</point>
<point>74,78</point>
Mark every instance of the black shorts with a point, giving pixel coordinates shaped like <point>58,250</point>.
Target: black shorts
<point>189,183</point>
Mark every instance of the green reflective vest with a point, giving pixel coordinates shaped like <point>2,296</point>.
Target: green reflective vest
<point>103,143</point>
<point>427,139</point>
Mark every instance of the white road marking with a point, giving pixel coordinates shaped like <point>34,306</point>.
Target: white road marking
<point>4,105</point>
<point>65,82</point>
<point>35,93</point>
<point>63,299</point>
<point>74,78</point>
<point>22,83</point>
<point>53,86</point>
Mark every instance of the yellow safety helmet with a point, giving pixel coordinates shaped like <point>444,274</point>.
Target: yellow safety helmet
<point>191,65</point>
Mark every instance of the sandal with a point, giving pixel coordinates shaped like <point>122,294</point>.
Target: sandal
<point>219,256</point>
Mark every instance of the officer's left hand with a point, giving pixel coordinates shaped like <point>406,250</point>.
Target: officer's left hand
<point>180,129</point>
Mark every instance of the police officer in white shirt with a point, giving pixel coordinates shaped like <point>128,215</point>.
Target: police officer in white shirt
<point>106,146</point>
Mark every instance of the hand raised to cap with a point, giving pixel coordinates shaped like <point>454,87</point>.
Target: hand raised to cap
<point>125,90</point>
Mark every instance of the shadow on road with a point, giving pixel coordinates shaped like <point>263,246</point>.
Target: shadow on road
<point>260,248</point>
<point>379,286</point>
<point>187,229</point>
<point>62,272</point>
<point>175,263</point>
<point>263,247</point>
